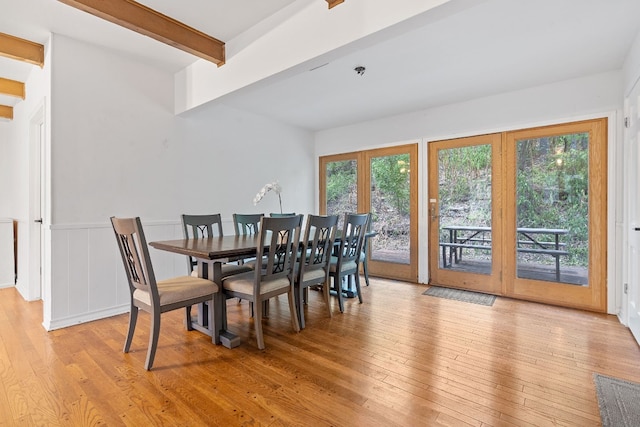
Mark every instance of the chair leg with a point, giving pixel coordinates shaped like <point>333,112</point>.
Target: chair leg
<point>257,323</point>
<point>265,308</point>
<point>337,284</point>
<point>298,295</point>
<point>365,270</point>
<point>133,318</point>
<point>153,340</point>
<point>292,310</point>
<point>357,277</point>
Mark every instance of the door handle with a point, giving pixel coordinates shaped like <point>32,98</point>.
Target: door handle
<point>433,212</point>
<point>39,221</point>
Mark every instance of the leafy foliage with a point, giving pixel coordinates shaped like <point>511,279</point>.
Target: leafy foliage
<point>390,198</point>
<point>552,187</point>
<point>341,179</point>
<point>391,175</point>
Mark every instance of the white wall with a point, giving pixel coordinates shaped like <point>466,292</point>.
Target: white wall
<point>519,109</point>
<point>631,68</point>
<point>587,97</point>
<point>5,166</point>
<point>117,149</point>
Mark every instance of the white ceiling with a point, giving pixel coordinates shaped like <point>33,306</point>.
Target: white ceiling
<point>485,47</point>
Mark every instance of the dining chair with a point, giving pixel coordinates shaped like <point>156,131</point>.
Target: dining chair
<point>278,240</point>
<point>313,264</point>
<point>157,297</point>
<point>246,224</point>
<point>345,264</point>
<point>203,226</point>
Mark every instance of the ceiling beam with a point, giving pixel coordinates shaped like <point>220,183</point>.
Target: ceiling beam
<point>143,20</point>
<point>22,50</point>
<point>12,88</point>
<point>6,112</point>
<point>334,3</point>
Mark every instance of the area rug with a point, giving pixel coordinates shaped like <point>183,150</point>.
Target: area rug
<point>459,295</point>
<point>619,401</point>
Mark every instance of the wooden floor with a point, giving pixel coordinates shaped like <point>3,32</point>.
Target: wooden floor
<point>568,274</point>
<point>399,359</point>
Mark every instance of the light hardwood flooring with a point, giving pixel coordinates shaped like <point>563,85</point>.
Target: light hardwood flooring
<point>399,359</point>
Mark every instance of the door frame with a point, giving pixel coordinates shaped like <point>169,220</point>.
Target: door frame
<point>594,296</point>
<point>492,282</point>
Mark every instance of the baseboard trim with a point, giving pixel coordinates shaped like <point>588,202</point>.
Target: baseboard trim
<point>52,325</point>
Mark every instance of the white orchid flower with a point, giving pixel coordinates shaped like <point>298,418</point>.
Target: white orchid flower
<point>272,186</point>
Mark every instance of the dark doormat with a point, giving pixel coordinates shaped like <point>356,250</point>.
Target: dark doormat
<point>460,295</point>
<point>619,401</point>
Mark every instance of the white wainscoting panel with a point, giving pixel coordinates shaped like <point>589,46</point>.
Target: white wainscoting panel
<point>88,281</point>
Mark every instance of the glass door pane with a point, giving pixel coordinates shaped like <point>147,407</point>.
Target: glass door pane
<point>465,233</point>
<point>390,208</point>
<point>341,188</point>
<point>552,208</point>
<point>464,177</point>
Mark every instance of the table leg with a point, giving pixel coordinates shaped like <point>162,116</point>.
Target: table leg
<point>213,270</point>
<point>227,338</point>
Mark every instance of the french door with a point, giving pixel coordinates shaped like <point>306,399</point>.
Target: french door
<point>458,198</point>
<point>522,214</point>
<point>383,182</point>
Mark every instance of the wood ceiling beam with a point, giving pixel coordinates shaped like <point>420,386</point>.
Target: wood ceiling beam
<point>144,20</point>
<point>22,50</point>
<point>12,88</point>
<point>6,112</point>
<point>334,3</point>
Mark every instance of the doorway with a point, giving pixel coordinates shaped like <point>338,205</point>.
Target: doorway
<point>383,182</point>
<point>522,214</point>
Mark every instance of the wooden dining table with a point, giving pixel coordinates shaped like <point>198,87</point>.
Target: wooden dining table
<point>210,253</point>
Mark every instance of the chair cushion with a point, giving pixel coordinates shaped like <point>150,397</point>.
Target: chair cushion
<point>317,274</point>
<point>243,283</point>
<point>251,263</point>
<point>178,289</point>
<point>229,269</point>
<point>350,265</point>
